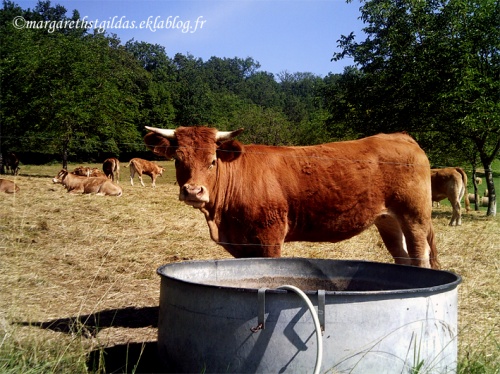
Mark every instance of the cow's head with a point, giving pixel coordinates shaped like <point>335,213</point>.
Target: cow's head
<point>198,153</point>
<point>60,176</point>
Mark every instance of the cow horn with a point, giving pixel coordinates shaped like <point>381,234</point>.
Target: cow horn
<point>167,133</point>
<point>227,135</point>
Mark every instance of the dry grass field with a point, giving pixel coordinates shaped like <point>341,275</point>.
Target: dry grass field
<point>79,290</point>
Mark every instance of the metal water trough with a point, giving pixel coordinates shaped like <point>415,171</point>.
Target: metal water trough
<point>228,316</point>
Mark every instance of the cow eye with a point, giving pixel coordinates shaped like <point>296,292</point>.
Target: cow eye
<point>212,164</point>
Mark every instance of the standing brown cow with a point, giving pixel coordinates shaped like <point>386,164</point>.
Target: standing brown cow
<point>140,166</point>
<point>451,183</point>
<point>111,167</point>
<point>257,197</point>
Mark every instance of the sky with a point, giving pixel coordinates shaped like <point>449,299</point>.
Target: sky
<point>292,36</point>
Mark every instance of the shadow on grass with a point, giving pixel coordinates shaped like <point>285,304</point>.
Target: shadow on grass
<point>89,325</point>
<point>123,358</point>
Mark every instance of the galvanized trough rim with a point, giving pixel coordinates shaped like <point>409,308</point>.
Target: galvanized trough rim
<point>451,279</point>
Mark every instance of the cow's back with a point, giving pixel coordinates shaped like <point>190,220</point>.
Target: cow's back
<point>330,192</point>
<point>137,164</point>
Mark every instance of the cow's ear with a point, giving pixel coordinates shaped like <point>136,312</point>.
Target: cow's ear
<point>159,145</point>
<point>230,150</point>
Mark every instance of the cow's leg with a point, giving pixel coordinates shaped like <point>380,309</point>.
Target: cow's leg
<point>140,178</point>
<point>272,231</point>
<point>261,242</point>
<point>153,181</point>
<point>456,218</point>
<point>393,238</point>
<point>416,234</point>
<point>132,174</point>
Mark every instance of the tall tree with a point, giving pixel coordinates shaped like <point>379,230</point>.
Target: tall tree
<point>68,93</point>
<point>157,108</point>
<point>431,67</point>
<point>192,95</point>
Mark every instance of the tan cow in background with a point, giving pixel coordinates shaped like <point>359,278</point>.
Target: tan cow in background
<point>140,166</point>
<point>8,186</point>
<point>111,167</point>
<point>86,185</point>
<point>86,171</point>
<point>451,183</point>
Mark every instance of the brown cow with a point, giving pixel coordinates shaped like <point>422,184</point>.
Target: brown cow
<point>8,186</point>
<point>79,184</point>
<point>86,171</point>
<point>111,167</point>
<point>257,197</point>
<point>451,183</point>
<point>140,166</point>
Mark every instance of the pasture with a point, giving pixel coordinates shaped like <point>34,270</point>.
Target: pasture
<point>79,290</point>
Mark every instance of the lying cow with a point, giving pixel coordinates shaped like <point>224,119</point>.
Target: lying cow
<point>8,186</point>
<point>111,168</point>
<point>79,184</point>
<point>451,183</point>
<point>257,197</point>
<point>88,172</point>
<point>140,166</point>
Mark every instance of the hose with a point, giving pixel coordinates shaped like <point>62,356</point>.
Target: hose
<point>319,340</point>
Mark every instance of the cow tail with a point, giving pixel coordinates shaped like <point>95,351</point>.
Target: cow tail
<point>433,255</point>
<point>466,193</point>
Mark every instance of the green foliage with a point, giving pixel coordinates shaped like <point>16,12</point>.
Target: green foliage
<point>431,68</point>
<point>78,94</point>
<point>264,126</point>
<point>66,93</point>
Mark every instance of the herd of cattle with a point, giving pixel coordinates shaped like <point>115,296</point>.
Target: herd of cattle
<point>255,197</point>
<point>88,180</point>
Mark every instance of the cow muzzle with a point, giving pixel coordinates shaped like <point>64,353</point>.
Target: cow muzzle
<point>193,195</point>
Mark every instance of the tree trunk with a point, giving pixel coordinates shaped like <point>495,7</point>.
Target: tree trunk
<point>476,194</point>
<point>492,199</point>
<point>65,157</point>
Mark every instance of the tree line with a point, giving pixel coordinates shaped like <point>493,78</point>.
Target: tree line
<point>429,67</point>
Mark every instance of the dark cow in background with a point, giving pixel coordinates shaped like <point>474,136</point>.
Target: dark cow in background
<point>10,163</point>
<point>140,166</point>
<point>8,186</point>
<point>451,183</point>
<point>111,167</point>
<point>87,185</point>
<point>257,197</point>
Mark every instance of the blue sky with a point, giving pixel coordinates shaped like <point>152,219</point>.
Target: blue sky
<point>293,36</point>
